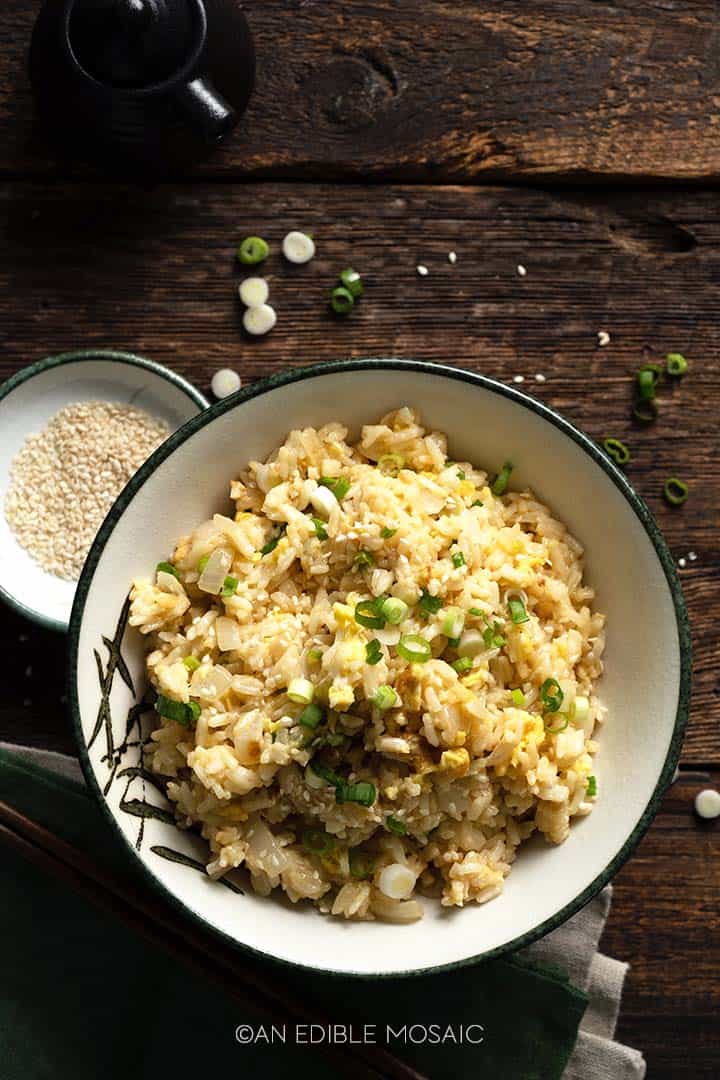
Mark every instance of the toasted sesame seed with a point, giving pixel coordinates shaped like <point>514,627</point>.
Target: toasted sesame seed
<point>692,555</point>
<point>518,378</point>
<point>521,270</point>
<point>422,271</point>
<point>603,338</point>
<point>452,257</point>
<point>682,563</point>
<point>539,377</point>
<point>65,479</point>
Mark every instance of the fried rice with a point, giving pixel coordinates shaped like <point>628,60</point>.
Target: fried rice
<point>375,676</point>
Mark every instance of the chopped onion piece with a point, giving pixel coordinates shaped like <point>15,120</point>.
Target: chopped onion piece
<point>323,501</point>
<point>471,643</point>
<point>210,682</point>
<point>396,881</point>
<point>213,576</point>
<point>227,632</point>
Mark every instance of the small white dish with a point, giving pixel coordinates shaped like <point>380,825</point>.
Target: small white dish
<point>27,402</point>
<point>646,684</point>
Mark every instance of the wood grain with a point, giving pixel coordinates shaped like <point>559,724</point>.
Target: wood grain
<point>154,272</point>
<point>428,90</point>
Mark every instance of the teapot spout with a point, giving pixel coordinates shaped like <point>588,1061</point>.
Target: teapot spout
<point>205,109</point>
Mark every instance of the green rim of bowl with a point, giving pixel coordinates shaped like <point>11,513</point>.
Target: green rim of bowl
<point>298,375</point>
<point>29,372</point>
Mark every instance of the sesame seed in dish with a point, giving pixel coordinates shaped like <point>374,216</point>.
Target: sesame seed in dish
<point>377,693</point>
<point>66,477</point>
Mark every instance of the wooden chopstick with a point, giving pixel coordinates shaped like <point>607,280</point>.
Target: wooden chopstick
<point>155,922</point>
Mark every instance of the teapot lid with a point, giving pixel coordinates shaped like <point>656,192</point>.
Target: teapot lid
<point>134,43</point>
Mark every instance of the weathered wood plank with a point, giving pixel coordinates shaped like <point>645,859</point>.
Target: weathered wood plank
<point>82,265</point>
<point>429,90</point>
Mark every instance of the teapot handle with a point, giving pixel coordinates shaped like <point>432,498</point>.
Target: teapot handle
<point>208,112</point>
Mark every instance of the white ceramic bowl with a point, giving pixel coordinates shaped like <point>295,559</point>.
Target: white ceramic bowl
<point>646,685</point>
<point>27,402</point>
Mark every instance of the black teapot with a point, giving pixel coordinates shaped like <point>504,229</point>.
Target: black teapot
<point>147,85</point>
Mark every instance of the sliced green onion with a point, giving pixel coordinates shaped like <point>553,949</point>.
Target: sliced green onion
<point>327,775</point>
<point>177,710</point>
<point>335,738</point>
<point>191,663</point>
<point>252,250</point>
<point>564,721</point>
<point>203,563</point>
<point>391,464</point>
<point>339,485</point>
<point>492,637</point>
<point>342,300</point>
<point>463,664</point>
<point>414,648</point>
<point>363,559</point>
<point>394,610</point>
<point>352,281</point>
<point>516,607</point>
<point>361,863</point>
<point>273,542</point>
<point>315,655</point>
<point>373,652</point>
<point>675,491</point>
<point>367,613</point>
<point>311,716</point>
<point>617,450</point>
<point>478,502</point>
<point>230,585</point>
<point>395,825</point>
<point>580,712</point>
<point>453,642</point>
<point>362,792</point>
<point>453,622</point>
<point>167,568</point>
<point>386,533</point>
<point>676,364</point>
<point>458,559</point>
<point>591,789</point>
<point>461,474</point>
<point>551,695</point>
<point>430,604</point>
<point>646,380</point>
<point>320,530</point>
<point>384,698</point>
<point>500,483</point>
<point>301,691</point>
<point>518,698</point>
<point>476,611</point>
<point>317,842</point>
<point>645,410</point>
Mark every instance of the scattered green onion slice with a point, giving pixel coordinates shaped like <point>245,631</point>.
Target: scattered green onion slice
<point>352,281</point>
<point>675,491</point>
<point>386,533</point>
<point>315,655</point>
<point>492,637</point>
<point>516,607</point>
<point>273,542</point>
<point>476,611</point>
<point>453,622</point>
<point>461,474</point>
<point>335,738</point>
<point>463,664</point>
<point>317,842</point>
<point>676,364</point>
<point>551,695</point>
<point>414,648</point>
<point>362,792</point>
<point>500,483</point>
<point>177,710</point>
<point>564,721</point>
<point>373,652</point>
<point>646,380</point>
<point>591,787</point>
<point>327,775</point>
<point>478,502</point>
<point>367,613</point>
<point>391,464</point>
<point>430,604</point>
<point>361,863</point>
<point>230,585</point>
<point>167,568</point>
<point>384,698</point>
<point>394,610</point>
<point>191,663</point>
<point>311,716</point>
<point>617,450</point>
<point>203,563</point>
<point>252,250</point>
<point>301,691</point>
<point>320,530</point>
<point>363,559</point>
<point>395,825</point>
<point>645,410</point>
<point>458,559</point>
<point>518,698</point>
<point>339,485</point>
<point>342,300</point>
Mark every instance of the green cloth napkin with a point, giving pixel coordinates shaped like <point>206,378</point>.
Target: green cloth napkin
<point>85,997</point>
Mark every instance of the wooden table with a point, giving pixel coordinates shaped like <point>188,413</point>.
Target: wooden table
<point>577,139</point>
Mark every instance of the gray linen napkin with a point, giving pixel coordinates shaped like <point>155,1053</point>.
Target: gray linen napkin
<point>573,948</point>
